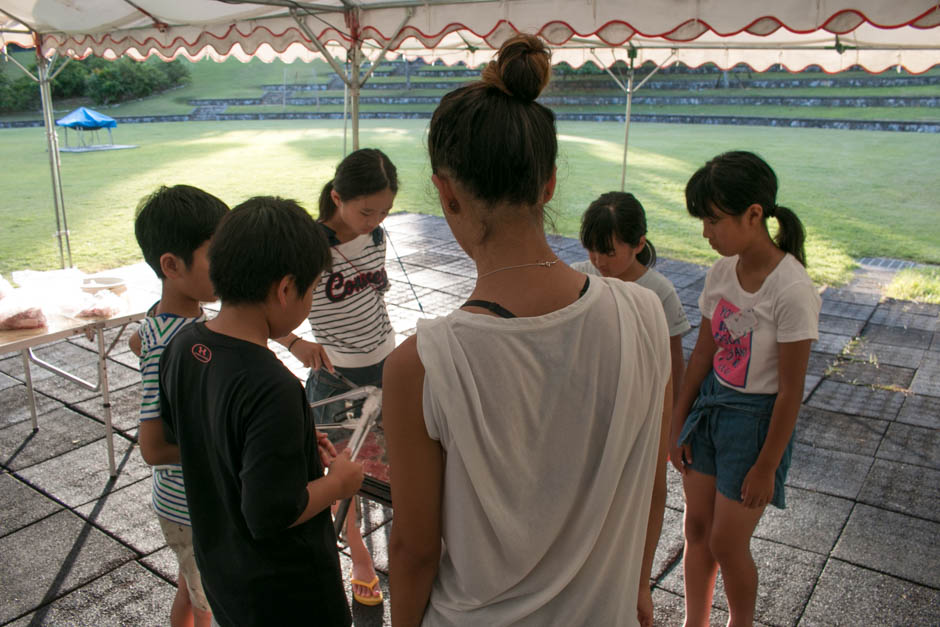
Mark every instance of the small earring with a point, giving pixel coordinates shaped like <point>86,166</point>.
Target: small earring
<point>452,205</point>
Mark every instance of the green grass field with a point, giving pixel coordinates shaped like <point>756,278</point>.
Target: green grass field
<point>859,193</point>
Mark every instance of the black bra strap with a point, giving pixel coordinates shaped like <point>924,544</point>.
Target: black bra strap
<point>502,312</point>
<point>495,308</point>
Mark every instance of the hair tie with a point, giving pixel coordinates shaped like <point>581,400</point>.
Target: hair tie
<point>771,212</point>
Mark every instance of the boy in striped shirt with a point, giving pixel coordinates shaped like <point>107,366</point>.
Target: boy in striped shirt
<point>173,227</point>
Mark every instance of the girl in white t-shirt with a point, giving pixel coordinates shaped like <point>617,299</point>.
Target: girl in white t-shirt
<point>733,421</point>
<point>613,231</point>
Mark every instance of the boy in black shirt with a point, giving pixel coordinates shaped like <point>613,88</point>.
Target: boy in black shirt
<point>258,497</point>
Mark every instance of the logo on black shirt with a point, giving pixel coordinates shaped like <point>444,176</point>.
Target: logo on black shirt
<point>202,353</point>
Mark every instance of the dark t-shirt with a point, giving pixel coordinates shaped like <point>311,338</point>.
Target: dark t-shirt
<point>248,450</point>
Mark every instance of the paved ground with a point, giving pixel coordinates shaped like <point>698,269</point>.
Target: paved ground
<point>858,544</point>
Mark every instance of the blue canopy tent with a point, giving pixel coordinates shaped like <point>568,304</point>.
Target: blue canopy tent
<point>86,120</point>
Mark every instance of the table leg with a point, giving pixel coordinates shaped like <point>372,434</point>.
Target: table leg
<point>106,399</point>
<point>29,391</point>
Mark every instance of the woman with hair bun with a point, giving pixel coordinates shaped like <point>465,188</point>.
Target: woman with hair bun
<point>525,429</point>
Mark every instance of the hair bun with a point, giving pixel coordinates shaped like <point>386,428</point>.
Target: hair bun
<point>522,67</point>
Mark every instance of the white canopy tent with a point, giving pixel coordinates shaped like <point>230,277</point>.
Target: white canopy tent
<point>834,34</point>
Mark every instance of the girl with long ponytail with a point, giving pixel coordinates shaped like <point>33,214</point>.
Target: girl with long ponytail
<point>733,421</point>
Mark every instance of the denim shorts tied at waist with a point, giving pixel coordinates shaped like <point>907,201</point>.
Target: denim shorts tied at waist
<point>726,430</point>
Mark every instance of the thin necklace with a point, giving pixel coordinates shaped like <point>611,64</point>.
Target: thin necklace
<point>544,264</point>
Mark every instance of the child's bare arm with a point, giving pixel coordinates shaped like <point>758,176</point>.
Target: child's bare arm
<point>654,524</point>
<point>758,487</point>
<point>342,481</point>
<point>310,354</point>
<point>153,445</point>
<point>417,469</point>
<point>134,343</point>
<point>700,364</point>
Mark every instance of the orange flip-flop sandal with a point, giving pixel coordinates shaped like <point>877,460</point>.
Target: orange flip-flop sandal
<point>372,600</point>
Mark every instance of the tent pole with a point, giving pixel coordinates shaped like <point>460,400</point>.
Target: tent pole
<point>55,165</point>
<point>354,85</point>
<point>626,129</point>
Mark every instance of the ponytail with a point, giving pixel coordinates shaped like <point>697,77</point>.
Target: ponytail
<point>363,172</point>
<point>327,206</point>
<point>647,256</point>
<point>732,182</point>
<point>791,236</point>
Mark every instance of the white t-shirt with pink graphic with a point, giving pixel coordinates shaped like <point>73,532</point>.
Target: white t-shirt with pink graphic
<point>748,326</point>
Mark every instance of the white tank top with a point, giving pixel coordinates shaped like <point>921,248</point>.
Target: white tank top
<point>551,427</point>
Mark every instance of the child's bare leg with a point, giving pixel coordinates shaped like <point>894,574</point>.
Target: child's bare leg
<point>201,618</point>
<point>698,564</point>
<point>362,569</point>
<point>181,612</point>
<point>731,545</point>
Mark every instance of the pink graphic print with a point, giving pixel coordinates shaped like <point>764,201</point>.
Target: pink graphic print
<point>734,356</point>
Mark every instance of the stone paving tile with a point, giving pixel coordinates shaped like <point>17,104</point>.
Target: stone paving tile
<point>163,563</point>
<point>400,292</point>
<point>463,267</point>
<point>14,405</point>
<point>819,363</point>
<point>63,390</point>
<point>127,596</point>
<point>904,488</point>
<point>897,336</point>
<point>435,303</point>
<point>688,341</point>
<point>127,514</point>
<point>848,295</point>
<point>416,243</point>
<point>810,383</point>
<point>901,316</point>
<point>830,472</point>
<point>927,379</point>
<point>914,445</point>
<point>886,541</point>
<point>865,350</point>
<point>860,400</point>
<point>907,306</point>
<point>126,358</point>
<point>688,296</point>
<point>396,272</point>
<point>81,476</point>
<point>50,558</point>
<point>844,309</point>
<point>849,595</point>
<point>60,431</point>
<point>811,521</point>
<point>21,505</point>
<point>7,381</point>
<point>431,259</point>
<point>867,373</point>
<point>839,432</point>
<point>923,411</point>
<point>786,579</point>
<point>839,325</point>
<point>125,408</point>
<point>435,279</point>
<point>669,611</point>
<point>831,343</point>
